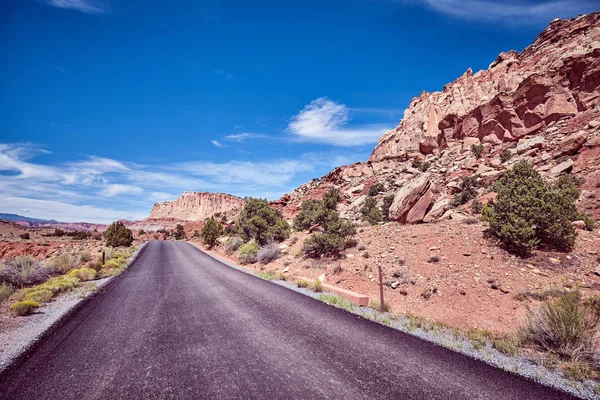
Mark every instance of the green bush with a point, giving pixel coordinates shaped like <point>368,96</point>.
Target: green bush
<point>39,296</point>
<point>370,212</point>
<point>248,252</point>
<point>529,212</point>
<point>60,284</point>
<point>211,230</point>
<point>477,150</point>
<point>118,234</point>
<point>476,206</point>
<point>505,156</point>
<point>336,237</point>
<point>179,233</point>
<point>376,189</point>
<point>468,191</point>
<point>85,256</point>
<point>385,208</point>
<point>83,274</point>
<point>6,290</point>
<point>24,236</point>
<point>24,307</point>
<point>421,165</point>
<point>303,283</point>
<point>565,326</point>
<point>331,198</point>
<point>22,271</point>
<point>262,223</point>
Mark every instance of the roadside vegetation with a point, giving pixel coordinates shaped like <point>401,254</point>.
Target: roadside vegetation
<point>118,234</point>
<point>530,212</point>
<point>211,230</point>
<point>26,282</point>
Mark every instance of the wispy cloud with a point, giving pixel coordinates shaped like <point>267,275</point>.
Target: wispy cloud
<point>216,143</point>
<point>326,121</point>
<point>60,69</point>
<point>100,189</point>
<point>241,137</point>
<point>510,11</point>
<point>84,6</point>
<point>118,189</point>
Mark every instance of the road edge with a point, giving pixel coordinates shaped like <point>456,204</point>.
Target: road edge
<point>61,320</point>
<point>550,378</point>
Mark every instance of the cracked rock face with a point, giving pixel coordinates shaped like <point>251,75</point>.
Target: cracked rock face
<point>542,106</point>
<point>557,76</point>
<point>196,206</point>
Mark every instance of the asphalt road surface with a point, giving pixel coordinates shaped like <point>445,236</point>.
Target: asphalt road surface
<point>178,324</point>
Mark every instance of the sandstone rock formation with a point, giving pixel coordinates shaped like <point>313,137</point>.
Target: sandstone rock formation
<point>557,76</point>
<point>196,206</point>
<point>542,105</point>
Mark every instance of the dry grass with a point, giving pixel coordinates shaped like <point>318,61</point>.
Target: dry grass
<point>22,271</point>
<point>268,253</point>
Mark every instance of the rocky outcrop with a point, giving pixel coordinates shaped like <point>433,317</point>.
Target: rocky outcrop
<point>412,201</point>
<point>557,77</point>
<point>196,206</point>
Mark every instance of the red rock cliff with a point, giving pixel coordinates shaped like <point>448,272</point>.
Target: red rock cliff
<point>196,206</point>
<point>518,95</point>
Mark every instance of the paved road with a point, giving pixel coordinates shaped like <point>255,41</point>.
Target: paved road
<point>179,324</point>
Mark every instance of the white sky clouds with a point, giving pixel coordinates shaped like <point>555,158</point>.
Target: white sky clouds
<point>96,189</point>
<point>325,121</point>
<point>511,11</point>
<point>85,6</point>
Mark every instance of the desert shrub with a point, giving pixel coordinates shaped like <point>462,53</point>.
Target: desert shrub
<point>211,230</point>
<point>477,150</point>
<point>95,264</point>
<point>85,256</point>
<point>434,259</point>
<point>58,233</point>
<point>303,283</point>
<point>260,222</point>
<point>61,263</point>
<point>317,286</point>
<point>39,296</point>
<point>179,233</point>
<point>24,307</point>
<point>141,232</point>
<point>118,234</point>
<point>83,274</point>
<point>22,270</point>
<point>468,191</point>
<point>6,289</point>
<point>376,306</point>
<point>529,211</point>
<point>385,208</point>
<point>370,212</point>
<point>376,189</point>
<point>268,253</point>
<point>590,224</point>
<point>331,198</point>
<point>564,326</point>
<point>60,284</point>
<point>476,206</point>
<point>24,236</point>
<point>248,252</point>
<point>336,237</point>
<point>505,156</point>
<point>421,165</point>
<point>233,244</point>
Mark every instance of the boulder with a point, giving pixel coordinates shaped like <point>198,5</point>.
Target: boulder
<point>578,224</point>
<point>525,145</point>
<point>561,168</point>
<point>407,196</point>
<point>571,144</point>
<point>438,209</point>
<point>418,211</point>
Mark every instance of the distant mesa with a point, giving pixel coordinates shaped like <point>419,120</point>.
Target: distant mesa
<point>196,206</point>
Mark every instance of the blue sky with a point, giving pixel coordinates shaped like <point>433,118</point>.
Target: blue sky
<point>109,106</point>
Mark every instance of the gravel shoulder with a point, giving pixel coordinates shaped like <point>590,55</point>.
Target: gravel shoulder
<point>16,340</point>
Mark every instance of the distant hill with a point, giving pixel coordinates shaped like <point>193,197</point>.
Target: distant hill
<point>17,217</point>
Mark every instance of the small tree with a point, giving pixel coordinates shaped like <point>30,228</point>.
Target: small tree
<point>259,221</point>
<point>385,208</point>
<point>24,236</point>
<point>211,231</point>
<point>370,212</point>
<point>118,234</point>
<point>376,188</point>
<point>468,191</point>
<point>529,211</point>
<point>477,150</point>
<point>179,233</point>
<point>332,198</point>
